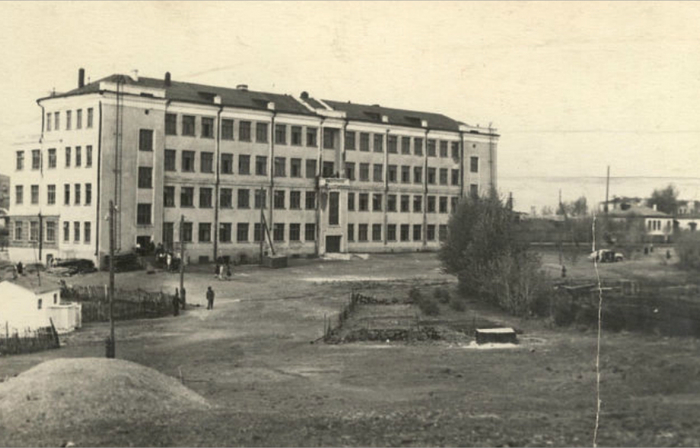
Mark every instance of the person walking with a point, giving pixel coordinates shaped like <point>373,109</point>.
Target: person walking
<point>210,298</point>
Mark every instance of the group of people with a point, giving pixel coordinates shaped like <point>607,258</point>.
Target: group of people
<point>222,269</point>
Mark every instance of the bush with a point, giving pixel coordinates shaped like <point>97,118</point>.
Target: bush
<point>442,295</point>
<point>688,250</point>
<point>429,306</point>
<point>414,295</point>
<point>457,304</point>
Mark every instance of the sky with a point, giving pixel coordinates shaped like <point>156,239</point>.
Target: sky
<point>571,87</point>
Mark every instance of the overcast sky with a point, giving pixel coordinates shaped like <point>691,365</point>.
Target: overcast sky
<point>571,87</point>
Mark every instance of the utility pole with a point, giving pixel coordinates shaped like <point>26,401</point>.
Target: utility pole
<point>41,239</point>
<point>607,190</point>
<point>182,260</point>
<point>262,240</point>
<point>111,344</point>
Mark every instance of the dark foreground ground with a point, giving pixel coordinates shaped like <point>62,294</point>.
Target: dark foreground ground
<point>253,359</point>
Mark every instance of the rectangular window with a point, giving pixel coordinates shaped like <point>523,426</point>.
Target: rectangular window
<point>417,174</point>
<point>48,122</point>
<point>417,232</point>
<point>50,231</point>
<point>204,232</point>
<point>88,194</point>
<point>242,232</point>
<point>431,232</point>
<point>206,162</point>
<point>143,214</point>
<point>88,156</point>
<point>278,233</point>
<point>295,200</point>
<point>227,129</point>
<point>207,127</point>
<point>205,197</point>
<point>243,198</point>
<point>279,199</point>
<point>392,144</point>
<point>170,124</point>
<point>377,173</point>
<point>89,117</point>
<point>187,232</point>
<point>79,119</point>
<point>405,201</point>
<point>362,232</point>
<point>281,134</point>
<point>34,231</point>
<point>405,174</point>
<point>69,116</point>
<point>405,145</point>
<point>310,168</point>
<point>244,131</point>
<point>66,231</point>
<point>87,227</point>
<point>443,176</point>
<point>376,232</point>
<point>431,147</point>
<point>168,196</point>
<point>474,164</point>
<point>443,148</point>
<point>186,196</point>
<point>364,141</point>
<point>66,194</point>
<point>78,156</point>
<point>244,164</point>
<point>76,231</point>
<point>328,169</point>
<point>418,146</point>
<point>35,194</point>
<point>431,176</point>
<point>350,140</point>
<point>168,235</point>
<point>391,203</point>
<point>330,137</point>
<point>188,125</point>
<point>311,137</point>
<point>57,120</point>
<point>261,165</point>
<point>376,202</point>
<point>225,232</point>
<point>431,204</point>
<point>351,202</point>
<point>474,190</point>
<point>146,140</point>
<point>257,232</point>
<point>310,232</point>
<point>454,200</point>
<point>260,199</point>
<point>310,200</point>
<point>76,188</point>
<point>20,160</point>
<point>260,132</point>
<point>68,156</point>
<point>295,168</point>
<point>19,231</point>
<point>226,163</point>
<point>364,202</point>
<point>350,170</point>
<point>455,177</point>
<point>364,172</point>
<point>169,160</point>
<point>51,194</point>
<point>334,208</point>
<point>36,159</point>
<point>391,173</point>
<point>391,232</point>
<point>455,150</point>
<point>442,232</point>
<point>280,166</point>
<point>294,232</point>
<point>296,137</point>
<point>226,198</point>
<point>351,232</point>
<point>378,143</point>
<point>145,177</point>
<point>187,164</point>
<point>443,204</point>
<point>417,204</point>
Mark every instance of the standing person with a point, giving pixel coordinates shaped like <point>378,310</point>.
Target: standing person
<point>168,260</point>
<point>228,271</point>
<point>20,268</point>
<point>216,270</point>
<point>176,304</point>
<point>221,272</point>
<point>210,298</point>
<point>183,297</point>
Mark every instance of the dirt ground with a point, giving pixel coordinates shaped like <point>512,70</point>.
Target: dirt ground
<point>253,359</point>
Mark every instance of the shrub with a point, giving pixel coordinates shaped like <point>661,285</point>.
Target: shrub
<point>457,304</point>
<point>688,250</point>
<point>429,306</point>
<point>414,295</point>
<point>442,295</point>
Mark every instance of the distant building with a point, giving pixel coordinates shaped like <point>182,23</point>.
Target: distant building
<point>655,225</point>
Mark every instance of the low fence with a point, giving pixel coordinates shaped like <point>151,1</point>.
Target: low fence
<point>28,342</point>
<point>128,304</point>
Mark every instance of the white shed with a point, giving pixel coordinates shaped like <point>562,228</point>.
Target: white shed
<point>27,304</point>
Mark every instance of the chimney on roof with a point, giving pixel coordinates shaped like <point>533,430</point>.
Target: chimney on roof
<point>304,95</point>
<point>242,87</point>
<point>424,123</point>
<point>217,99</point>
<point>271,105</point>
<point>135,75</point>
<point>654,207</point>
<point>81,78</point>
<point>167,79</point>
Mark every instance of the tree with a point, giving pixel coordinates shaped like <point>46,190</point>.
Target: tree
<point>666,200</point>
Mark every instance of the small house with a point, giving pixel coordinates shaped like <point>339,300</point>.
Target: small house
<point>27,304</point>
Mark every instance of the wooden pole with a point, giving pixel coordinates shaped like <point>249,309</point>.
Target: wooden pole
<point>182,259</point>
<point>112,349</point>
<point>607,190</point>
<point>262,239</point>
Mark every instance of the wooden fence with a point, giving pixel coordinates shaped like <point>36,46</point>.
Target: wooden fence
<point>128,304</point>
<point>28,342</point>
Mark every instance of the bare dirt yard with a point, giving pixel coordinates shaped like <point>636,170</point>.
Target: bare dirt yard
<point>252,359</point>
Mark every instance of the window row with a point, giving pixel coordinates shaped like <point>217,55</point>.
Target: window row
<point>443,175</point>
<point>365,141</point>
<point>281,168</point>
<point>51,194</point>
<point>279,232</point>
<point>406,232</point>
<point>205,198</point>
<point>71,155</point>
<point>29,231</point>
<point>435,204</point>
<point>53,120</point>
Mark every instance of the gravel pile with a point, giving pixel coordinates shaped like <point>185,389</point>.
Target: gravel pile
<point>73,392</point>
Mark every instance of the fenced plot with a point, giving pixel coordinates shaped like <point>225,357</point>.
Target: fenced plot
<point>29,342</point>
<point>128,304</point>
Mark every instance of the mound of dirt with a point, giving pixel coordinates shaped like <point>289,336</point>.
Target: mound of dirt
<point>72,392</point>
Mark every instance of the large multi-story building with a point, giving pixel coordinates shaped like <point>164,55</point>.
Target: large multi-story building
<point>325,176</point>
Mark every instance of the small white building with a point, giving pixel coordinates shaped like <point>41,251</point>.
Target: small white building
<point>27,304</point>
